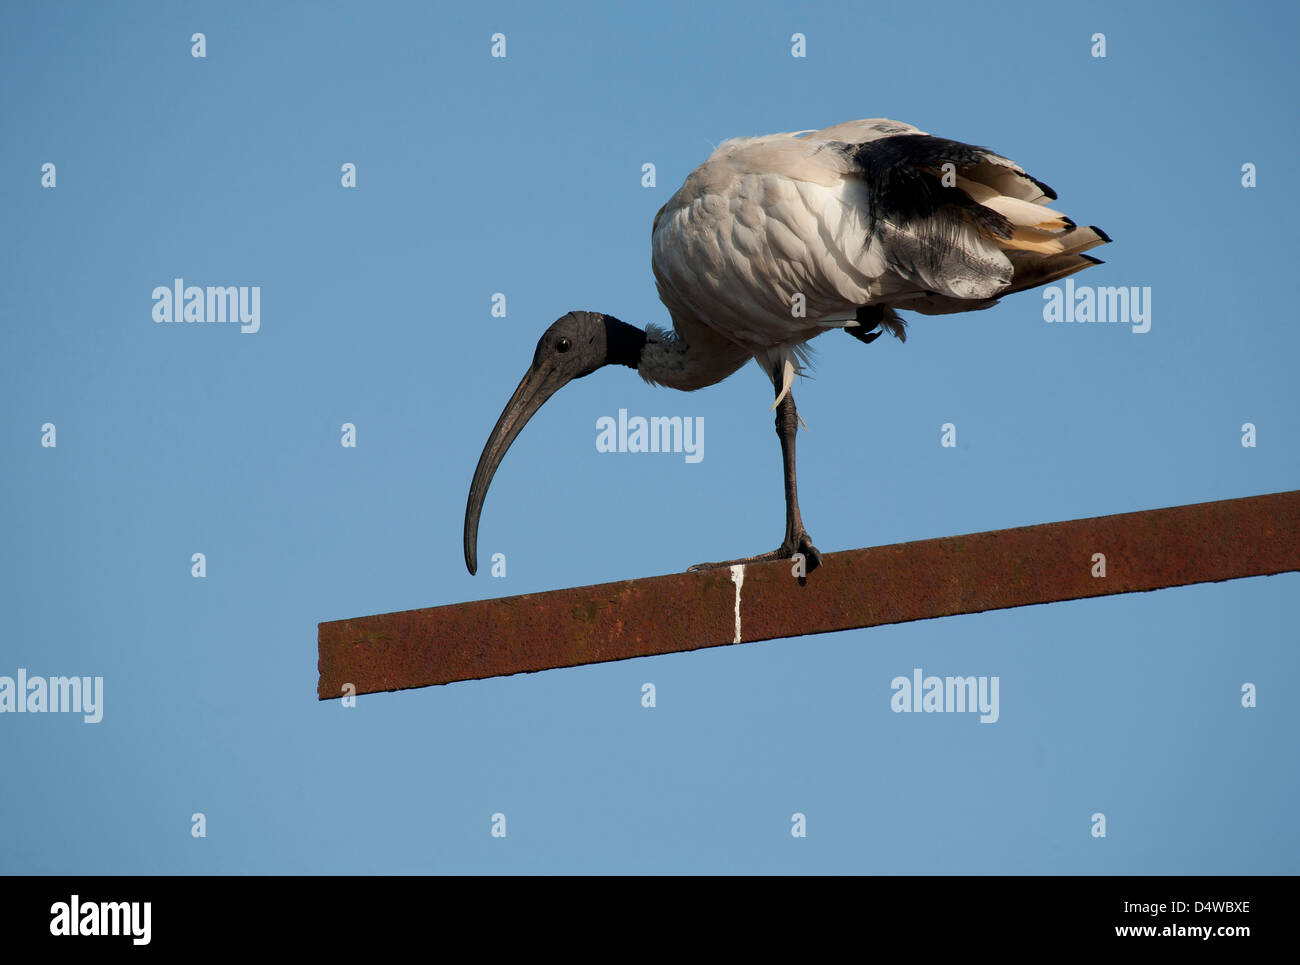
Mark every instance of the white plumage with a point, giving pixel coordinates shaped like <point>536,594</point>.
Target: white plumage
<point>767,219</point>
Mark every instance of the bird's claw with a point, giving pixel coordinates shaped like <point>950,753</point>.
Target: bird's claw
<point>811,558</point>
<point>800,543</point>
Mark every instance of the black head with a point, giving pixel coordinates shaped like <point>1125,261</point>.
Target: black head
<point>572,347</point>
<point>575,345</point>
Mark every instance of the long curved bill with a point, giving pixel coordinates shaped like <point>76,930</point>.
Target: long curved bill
<point>539,384</point>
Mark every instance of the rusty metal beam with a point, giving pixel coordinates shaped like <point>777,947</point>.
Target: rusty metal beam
<point>1201,543</point>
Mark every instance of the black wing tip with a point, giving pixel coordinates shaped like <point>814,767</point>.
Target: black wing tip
<point>1045,188</point>
<point>1100,234</point>
<point>1091,260</point>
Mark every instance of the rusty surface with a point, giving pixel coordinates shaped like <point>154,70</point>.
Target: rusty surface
<point>1200,543</point>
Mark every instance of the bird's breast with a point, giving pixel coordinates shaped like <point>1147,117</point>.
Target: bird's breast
<point>766,259</point>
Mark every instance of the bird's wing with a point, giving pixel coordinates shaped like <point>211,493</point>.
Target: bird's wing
<point>773,239</point>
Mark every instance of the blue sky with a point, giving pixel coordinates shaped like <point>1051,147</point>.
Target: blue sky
<point>522,176</point>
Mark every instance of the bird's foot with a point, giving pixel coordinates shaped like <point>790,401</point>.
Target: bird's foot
<point>800,544</point>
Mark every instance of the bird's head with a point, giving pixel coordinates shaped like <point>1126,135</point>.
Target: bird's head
<point>575,345</point>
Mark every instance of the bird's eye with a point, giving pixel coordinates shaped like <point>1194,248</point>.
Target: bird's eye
<point>563,345</point>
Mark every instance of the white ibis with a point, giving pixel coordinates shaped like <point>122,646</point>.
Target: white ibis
<point>774,240</point>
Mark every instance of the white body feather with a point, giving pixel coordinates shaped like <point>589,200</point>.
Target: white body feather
<point>772,241</point>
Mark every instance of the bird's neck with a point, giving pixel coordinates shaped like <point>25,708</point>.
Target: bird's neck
<point>668,360</point>
<point>662,357</point>
<point>624,343</point>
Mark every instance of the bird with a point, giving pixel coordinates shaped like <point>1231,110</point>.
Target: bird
<point>776,240</point>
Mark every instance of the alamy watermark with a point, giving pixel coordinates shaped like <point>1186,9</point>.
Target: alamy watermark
<point>682,434</point>
<point>53,695</point>
<point>125,918</point>
<point>951,695</point>
<point>1085,303</point>
<point>240,305</point>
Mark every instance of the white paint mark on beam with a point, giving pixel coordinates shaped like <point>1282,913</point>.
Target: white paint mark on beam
<point>738,577</point>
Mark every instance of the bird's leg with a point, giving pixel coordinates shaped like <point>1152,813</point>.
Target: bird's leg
<point>796,537</point>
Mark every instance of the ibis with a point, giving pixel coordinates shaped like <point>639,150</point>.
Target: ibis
<point>776,240</point>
